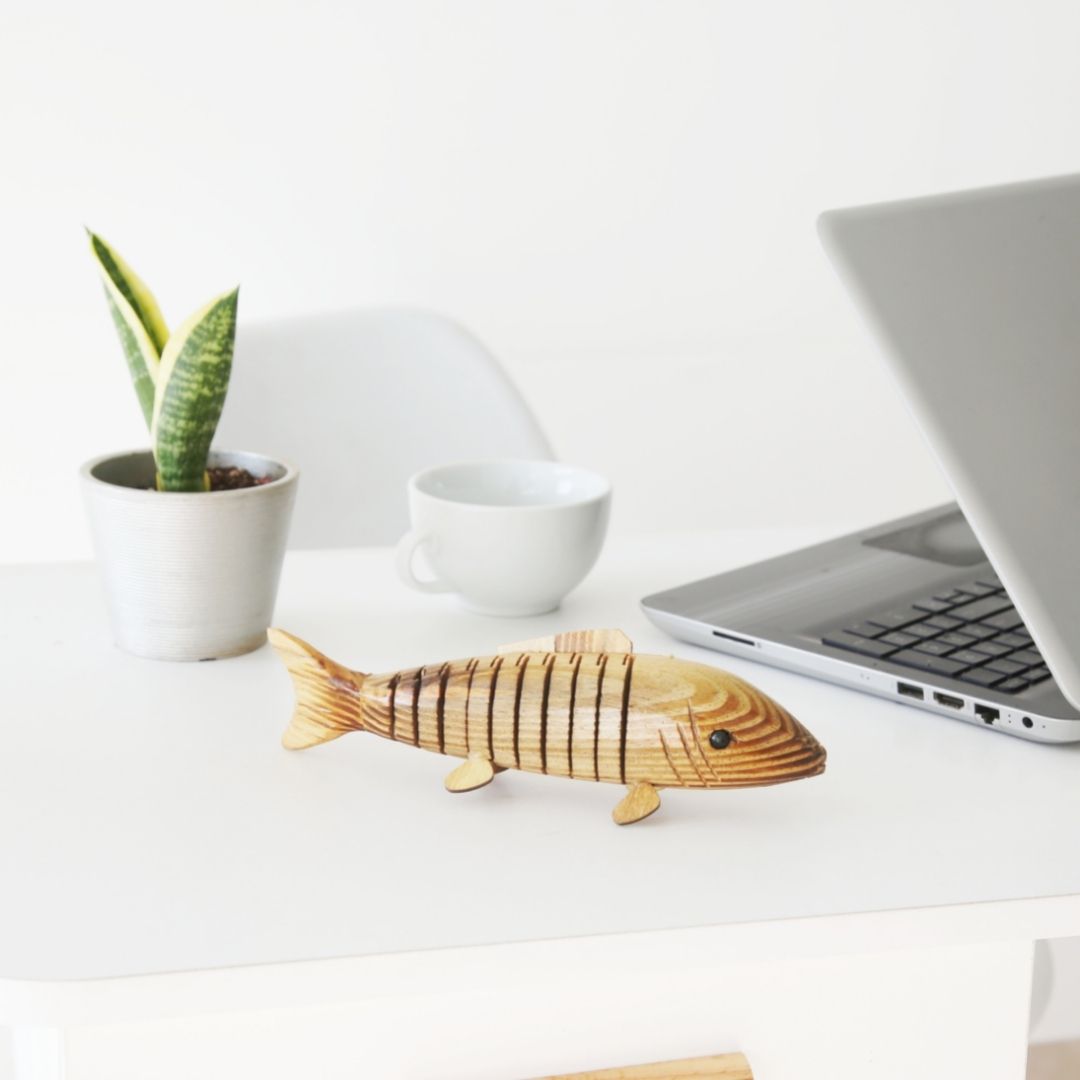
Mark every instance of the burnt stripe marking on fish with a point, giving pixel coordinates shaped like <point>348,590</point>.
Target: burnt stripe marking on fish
<point>522,664</point>
<point>570,724</point>
<point>393,694</point>
<point>416,706</point>
<point>440,706</point>
<point>549,663</point>
<point>471,669</point>
<point>496,664</point>
<point>602,661</point>
<point>624,715</point>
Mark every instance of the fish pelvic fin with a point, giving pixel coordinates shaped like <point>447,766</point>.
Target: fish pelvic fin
<point>328,701</point>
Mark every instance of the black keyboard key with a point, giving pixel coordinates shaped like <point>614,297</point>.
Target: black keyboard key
<point>1005,666</point>
<point>977,630</point>
<point>935,647</point>
<point>1004,620</point>
<point>1012,686</point>
<point>1014,640</point>
<point>841,639</point>
<point>933,605</point>
<point>953,596</point>
<point>1030,657</point>
<point>1023,632</point>
<point>938,665</point>
<point>899,639</point>
<point>981,677</point>
<point>957,640</point>
<point>977,610</point>
<point>944,622</point>
<point>866,629</point>
<point>969,656</point>
<point>1037,674</point>
<point>922,630</point>
<point>992,648</point>
<point>894,620</point>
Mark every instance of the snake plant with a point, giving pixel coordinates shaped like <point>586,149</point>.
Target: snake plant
<point>181,378</point>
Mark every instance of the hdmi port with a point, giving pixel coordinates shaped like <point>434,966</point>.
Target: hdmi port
<point>949,700</point>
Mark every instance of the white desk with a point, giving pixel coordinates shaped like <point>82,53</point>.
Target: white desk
<point>167,866</point>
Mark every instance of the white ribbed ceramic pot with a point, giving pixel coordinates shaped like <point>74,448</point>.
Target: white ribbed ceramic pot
<point>188,575</point>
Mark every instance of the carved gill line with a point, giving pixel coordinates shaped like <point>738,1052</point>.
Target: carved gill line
<point>671,764</point>
<point>416,706</point>
<point>624,714</point>
<point>471,670</point>
<point>602,661</point>
<point>689,756</point>
<point>549,663</point>
<point>440,706</point>
<point>570,724</point>
<point>697,741</point>
<point>522,664</point>
<point>495,667</point>
<point>393,694</point>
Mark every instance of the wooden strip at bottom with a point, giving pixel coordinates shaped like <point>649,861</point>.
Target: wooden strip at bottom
<point>720,1067</point>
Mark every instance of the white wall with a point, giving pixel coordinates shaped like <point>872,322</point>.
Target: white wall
<point>618,196</point>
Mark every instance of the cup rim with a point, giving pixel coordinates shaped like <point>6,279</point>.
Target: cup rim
<point>602,482</point>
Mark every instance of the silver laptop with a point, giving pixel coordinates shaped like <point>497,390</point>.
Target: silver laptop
<point>970,610</point>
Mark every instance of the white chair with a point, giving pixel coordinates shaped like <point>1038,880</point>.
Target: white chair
<point>358,401</point>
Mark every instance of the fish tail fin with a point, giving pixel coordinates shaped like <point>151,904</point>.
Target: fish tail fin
<point>328,702</point>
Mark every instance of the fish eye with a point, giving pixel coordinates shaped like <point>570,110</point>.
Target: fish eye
<point>720,739</point>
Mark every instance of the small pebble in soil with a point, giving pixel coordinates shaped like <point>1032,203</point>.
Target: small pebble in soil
<point>229,478</point>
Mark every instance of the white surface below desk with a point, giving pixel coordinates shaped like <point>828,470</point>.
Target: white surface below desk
<point>164,858</point>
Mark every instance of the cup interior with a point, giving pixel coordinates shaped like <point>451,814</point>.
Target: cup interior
<point>512,483</point>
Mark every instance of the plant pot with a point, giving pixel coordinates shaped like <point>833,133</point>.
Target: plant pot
<point>188,575</point>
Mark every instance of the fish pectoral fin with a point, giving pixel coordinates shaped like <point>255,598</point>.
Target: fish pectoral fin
<point>476,771</point>
<point>641,801</point>
<point>572,641</point>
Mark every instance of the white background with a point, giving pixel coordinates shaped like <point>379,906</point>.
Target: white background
<point>619,198</point>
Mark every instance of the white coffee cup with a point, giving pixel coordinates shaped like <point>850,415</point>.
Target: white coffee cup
<point>509,537</point>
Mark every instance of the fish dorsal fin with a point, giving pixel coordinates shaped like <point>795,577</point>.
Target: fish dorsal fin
<point>609,641</point>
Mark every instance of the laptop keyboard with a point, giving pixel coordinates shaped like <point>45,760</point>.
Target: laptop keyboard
<point>969,632</point>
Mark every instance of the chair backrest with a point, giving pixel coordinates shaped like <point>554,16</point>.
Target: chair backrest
<point>358,401</point>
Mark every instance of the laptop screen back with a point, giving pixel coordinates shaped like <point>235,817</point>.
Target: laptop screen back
<point>975,299</point>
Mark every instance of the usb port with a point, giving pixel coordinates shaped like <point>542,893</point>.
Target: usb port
<point>949,700</point>
<point>905,689</point>
<point>988,714</point>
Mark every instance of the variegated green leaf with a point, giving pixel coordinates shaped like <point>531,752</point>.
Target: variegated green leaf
<point>138,320</point>
<point>191,388</point>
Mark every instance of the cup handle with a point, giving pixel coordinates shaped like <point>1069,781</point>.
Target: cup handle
<point>406,549</point>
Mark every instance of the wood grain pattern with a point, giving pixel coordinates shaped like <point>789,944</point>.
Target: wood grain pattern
<point>648,722</point>
<point>719,1067</point>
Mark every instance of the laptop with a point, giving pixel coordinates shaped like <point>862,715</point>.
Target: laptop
<point>970,610</point>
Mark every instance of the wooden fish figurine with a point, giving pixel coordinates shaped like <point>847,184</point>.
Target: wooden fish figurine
<point>579,705</point>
